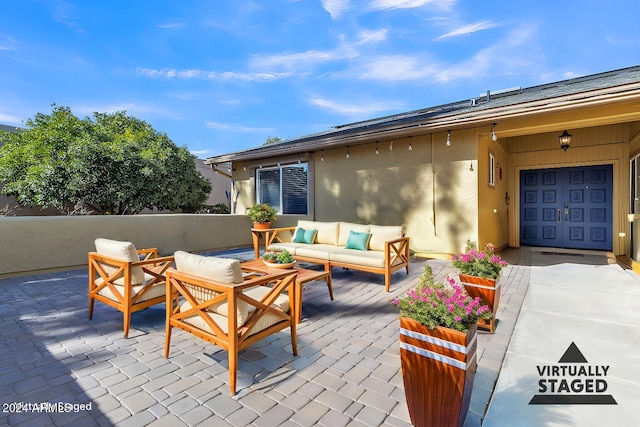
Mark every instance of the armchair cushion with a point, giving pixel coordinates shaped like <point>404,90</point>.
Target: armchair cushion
<point>124,251</point>
<point>220,269</point>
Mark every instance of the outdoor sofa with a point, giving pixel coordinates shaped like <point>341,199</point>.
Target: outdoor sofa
<point>365,247</point>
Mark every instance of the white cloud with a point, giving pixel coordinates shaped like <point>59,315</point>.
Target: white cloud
<point>171,73</point>
<point>335,7</point>
<point>7,119</point>
<point>372,36</point>
<point>396,68</point>
<point>361,109</point>
<point>236,128</point>
<point>469,29</point>
<point>410,4</point>
<point>171,25</point>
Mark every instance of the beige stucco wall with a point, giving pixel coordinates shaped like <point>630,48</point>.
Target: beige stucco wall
<point>493,201</point>
<point>40,243</point>
<point>437,205</point>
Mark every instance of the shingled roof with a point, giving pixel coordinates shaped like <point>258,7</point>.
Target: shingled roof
<point>486,108</point>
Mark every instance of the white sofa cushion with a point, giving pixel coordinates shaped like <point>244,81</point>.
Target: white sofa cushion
<point>354,256</point>
<point>383,233</point>
<point>124,251</point>
<point>327,231</point>
<point>346,227</point>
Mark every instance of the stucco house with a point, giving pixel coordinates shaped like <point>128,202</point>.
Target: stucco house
<point>490,168</point>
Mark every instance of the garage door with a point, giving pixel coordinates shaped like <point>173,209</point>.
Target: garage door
<point>567,207</point>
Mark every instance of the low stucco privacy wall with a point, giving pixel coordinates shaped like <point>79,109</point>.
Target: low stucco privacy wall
<point>41,243</point>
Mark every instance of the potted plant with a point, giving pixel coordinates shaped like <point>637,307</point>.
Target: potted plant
<point>262,214</point>
<point>479,273</point>
<point>281,259</point>
<point>438,350</point>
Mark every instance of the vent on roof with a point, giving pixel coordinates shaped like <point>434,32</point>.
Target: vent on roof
<point>491,93</point>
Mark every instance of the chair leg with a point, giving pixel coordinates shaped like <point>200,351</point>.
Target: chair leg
<point>167,342</point>
<point>233,370</point>
<point>91,301</point>
<point>387,280</point>
<point>126,320</point>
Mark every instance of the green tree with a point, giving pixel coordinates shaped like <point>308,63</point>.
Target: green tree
<point>272,140</point>
<point>109,164</point>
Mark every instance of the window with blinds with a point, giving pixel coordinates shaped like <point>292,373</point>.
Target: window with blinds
<point>284,188</point>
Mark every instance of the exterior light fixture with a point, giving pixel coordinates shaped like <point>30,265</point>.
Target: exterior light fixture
<point>565,140</point>
<point>448,138</point>
<point>299,161</point>
<point>347,156</point>
<point>410,145</point>
<point>377,151</point>
<point>322,156</point>
<point>494,137</point>
<point>244,167</point>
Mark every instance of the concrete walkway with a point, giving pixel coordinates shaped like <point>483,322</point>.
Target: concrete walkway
<point>585,299</point>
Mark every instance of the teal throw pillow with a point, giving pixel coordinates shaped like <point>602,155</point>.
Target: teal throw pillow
<point>304,236</point>
<point>358,240</point>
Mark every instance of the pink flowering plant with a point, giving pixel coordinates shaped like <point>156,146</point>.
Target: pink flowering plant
<point>438,304</point>
<point>474,262</point>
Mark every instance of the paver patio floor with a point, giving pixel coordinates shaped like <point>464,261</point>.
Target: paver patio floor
<point>347,371</point>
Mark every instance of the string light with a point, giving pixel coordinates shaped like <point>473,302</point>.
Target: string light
<point>410,145</point>
<point>322,156</point>
<point>494,137</point>
<point>448,138</point>
<point>347,156</point>
<point>377,151</point>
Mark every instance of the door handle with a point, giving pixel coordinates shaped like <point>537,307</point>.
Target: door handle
<point>559,215</point>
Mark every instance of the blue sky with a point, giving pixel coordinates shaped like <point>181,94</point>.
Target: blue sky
<point>221,76</point>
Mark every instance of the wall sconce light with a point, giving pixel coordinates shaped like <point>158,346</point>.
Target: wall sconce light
<point>322,156</point>
<point>565,140</point>
<point>631,217</point>
<point>377,151</point>
<point>410,144</point>
<point>348,155</point>
<point>244,167</point>
<point>448,138</point>
<point>494,137</point>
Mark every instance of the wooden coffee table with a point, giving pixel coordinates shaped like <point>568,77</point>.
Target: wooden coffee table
<point>304,276</point>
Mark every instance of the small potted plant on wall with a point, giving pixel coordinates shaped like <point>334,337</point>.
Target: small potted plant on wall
<point>438,328</point>
<point>262,214</point>
<point>479,273</point>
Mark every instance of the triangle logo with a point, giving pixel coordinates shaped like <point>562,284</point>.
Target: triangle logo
<point>573,355</point>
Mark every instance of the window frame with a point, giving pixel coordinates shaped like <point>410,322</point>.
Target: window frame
<point>281,201</point>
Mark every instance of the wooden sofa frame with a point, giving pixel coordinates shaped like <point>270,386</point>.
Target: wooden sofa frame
<point>396,256</point>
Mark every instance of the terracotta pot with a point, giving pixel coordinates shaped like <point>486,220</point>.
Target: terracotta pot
<point>489,291</point>
<point>438,368</point>
<point>261,225</point>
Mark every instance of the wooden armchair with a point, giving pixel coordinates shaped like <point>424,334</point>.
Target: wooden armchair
<point>126,279</point>
<point>202,291</point>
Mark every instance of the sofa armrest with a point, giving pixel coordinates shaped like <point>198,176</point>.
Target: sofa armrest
<point>280,235</point>
<point>396,251</point>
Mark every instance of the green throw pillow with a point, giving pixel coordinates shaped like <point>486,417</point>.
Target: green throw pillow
<point>358,240</point>
<point>304,236</point>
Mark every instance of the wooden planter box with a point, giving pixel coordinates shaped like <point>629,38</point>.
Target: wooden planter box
<point>489,291</point>
<point>438,368</point>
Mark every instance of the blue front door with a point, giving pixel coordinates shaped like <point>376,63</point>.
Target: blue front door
<point>567,207</point>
